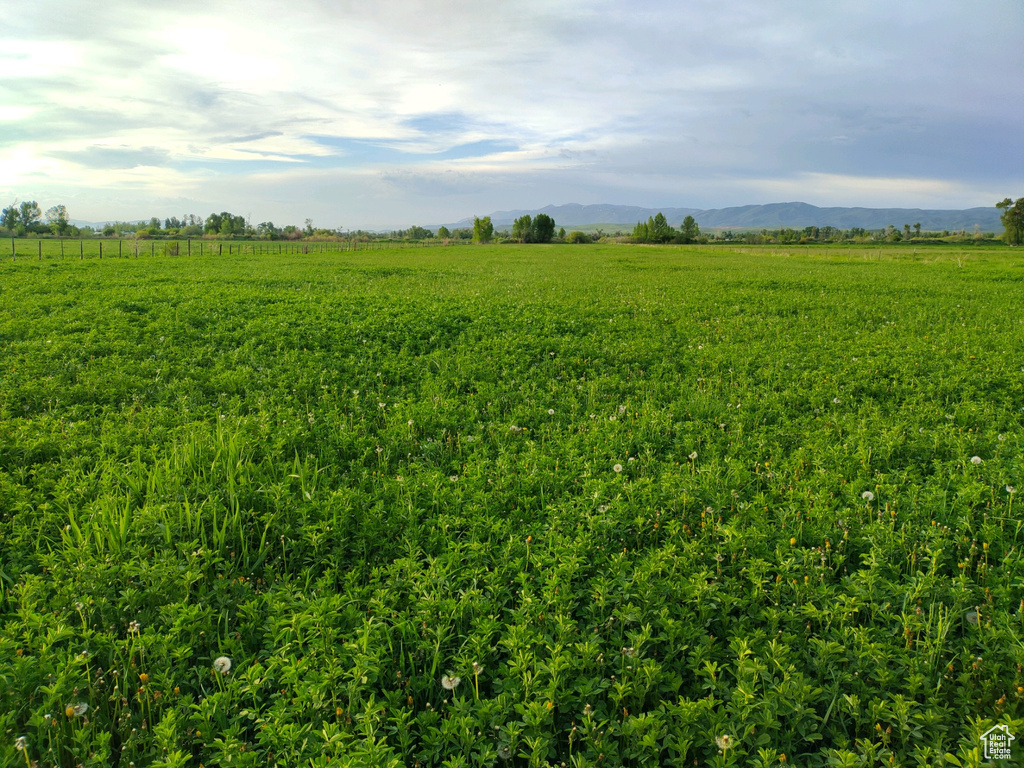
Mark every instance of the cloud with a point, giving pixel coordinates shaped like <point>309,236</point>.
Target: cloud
<point>98,157</point>
<point>453,104</point>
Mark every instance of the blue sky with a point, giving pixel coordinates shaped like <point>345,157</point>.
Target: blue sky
<point>388,114</point>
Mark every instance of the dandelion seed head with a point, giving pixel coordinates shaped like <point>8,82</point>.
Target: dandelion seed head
<point>454,478</point>
<point>450,682</point>
<point>868,496</point>
<point>1011,489</point>
<point>693,456</point>
<point>21,744</point>
<point>617,467</point>
<point>222,665</point>
<point>975,460</point>
<point>724,741</point>
<point>551,411</point>
<point>76,709</point>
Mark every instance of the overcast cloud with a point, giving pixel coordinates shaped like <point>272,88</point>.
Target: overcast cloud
<point>364,114</point>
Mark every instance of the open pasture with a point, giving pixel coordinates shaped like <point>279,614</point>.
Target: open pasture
<point>542,505</point>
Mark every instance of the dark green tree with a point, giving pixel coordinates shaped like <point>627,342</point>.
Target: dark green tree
<point>689,232</point>
<point>543,228</point>
<point>443,232</point>
<point>641,232</point>
<point>1013,220</point>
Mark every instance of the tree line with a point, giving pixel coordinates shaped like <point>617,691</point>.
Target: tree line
<point>27,218</point>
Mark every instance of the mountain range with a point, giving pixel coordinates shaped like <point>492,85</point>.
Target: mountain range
<point>771,216</point>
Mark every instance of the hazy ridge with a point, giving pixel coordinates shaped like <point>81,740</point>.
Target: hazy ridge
<point>771,216</point>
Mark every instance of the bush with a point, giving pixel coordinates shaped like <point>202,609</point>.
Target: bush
<point>578,237</point>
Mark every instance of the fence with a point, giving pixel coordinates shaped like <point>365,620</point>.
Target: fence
<point>110,248</point>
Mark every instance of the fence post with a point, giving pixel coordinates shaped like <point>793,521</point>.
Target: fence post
<point>119,247</point>
<point>81,248</point>
<point>62,247</point>
<point>101,249</point>
<point>14,255</point>
<point>190,246</point>
<point>40,250</point>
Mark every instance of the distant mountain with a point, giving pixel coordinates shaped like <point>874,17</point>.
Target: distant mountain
<point>771,216</point>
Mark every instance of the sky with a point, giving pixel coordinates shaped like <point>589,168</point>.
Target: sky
<point>361,114</point>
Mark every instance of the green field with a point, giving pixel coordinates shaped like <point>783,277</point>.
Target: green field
<point>650,505</point>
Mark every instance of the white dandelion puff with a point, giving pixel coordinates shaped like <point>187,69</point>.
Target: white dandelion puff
<point>617,467</point>
<point>21,744</point>
<point>1011,489</point>
<point>723,742</point>
<point>222,665</point>
<point>450,682</point>
<point>975,460</point>
<point>551,411</point>
<point>454,478</point>
<point>693,456</point>
<point>868,496</point>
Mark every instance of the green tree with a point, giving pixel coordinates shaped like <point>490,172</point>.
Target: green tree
<point>419,233</point>
<point>660,231</point>
<point>641,232</point>
<point>1013,220</point>
<point>29,213</point>
<point>57,219</point>
<point>266,230</point>
<point>689,232</point>
<point>443,232</point>
<point>561,233</point>
<point>10,218</point>
<point>543,228</point>
<point>522,229</point>
<point>483,229</point>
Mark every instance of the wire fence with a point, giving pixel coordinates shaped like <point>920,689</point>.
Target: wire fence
<point>99,248</point>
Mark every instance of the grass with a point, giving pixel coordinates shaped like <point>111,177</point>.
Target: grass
<point>650,505</point>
